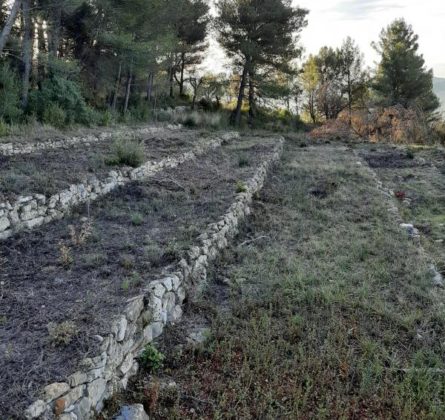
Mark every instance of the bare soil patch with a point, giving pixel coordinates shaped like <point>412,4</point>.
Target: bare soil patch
<point>81,269</point>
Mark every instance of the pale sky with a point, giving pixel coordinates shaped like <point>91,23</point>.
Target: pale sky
<point>331,21</point>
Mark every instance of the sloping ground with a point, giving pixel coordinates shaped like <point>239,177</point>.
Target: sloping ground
<point>323,309</point>
<point>63,283</point>
<point>49,171</point>
<point>417,176</point>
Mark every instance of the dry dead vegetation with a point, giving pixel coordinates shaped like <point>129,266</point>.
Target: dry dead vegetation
<point>322,309</point>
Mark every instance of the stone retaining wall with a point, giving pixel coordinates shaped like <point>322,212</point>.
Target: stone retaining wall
<point>16,148</point>
<point>409,228</point>
<point>144,318</point>
<point>35,210</point>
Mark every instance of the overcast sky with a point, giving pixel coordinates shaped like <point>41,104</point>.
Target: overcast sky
<point>330,21</point>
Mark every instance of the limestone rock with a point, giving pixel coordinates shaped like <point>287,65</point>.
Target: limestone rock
<point>132,412</point>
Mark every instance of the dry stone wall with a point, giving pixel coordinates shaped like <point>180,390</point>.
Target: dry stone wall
<point>36,209</point>
<point>409,228</point>
<point>144,318</point>
<point>16,148</point>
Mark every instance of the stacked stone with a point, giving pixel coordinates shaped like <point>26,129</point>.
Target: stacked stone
<point>409,228</point>
<point>144,318</point>
<point>36,209</point>
<point>16,148</point>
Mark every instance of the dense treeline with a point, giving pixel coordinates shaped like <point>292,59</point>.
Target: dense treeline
<point>73,61</point>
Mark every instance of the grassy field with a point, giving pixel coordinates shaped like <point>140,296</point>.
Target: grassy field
<point>323,308</point>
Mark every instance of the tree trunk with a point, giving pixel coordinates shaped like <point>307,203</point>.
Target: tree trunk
<point>41,43</point>
<point>128,90</point>
<point>4,34</point>
<point>150,86</point>
<point>26,51</point>
<point>236,114</point>
<point>171,80</point>
<point>116,88</point>
<point>181,80</point>
<point>55,26</point>
<point>350,99</point>
<point>251,99</point>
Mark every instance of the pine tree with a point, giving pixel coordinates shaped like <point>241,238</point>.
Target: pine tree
<point>402,77</point>
<point>258,34</point>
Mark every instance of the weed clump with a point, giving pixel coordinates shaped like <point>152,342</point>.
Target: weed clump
<point>137,219</point>
<point>151,358</point>
<point>62,334</point>
<point>127,153</point>
<point>240,187</point>
<point>65,255</point>
<point>243,161</point>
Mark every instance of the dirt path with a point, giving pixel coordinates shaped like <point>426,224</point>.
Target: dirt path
<point>322,309</point>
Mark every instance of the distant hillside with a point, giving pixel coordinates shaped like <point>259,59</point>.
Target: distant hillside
<point>439,90</point>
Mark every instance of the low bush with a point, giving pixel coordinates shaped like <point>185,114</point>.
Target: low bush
<point>127,153</point>
<point>4,128</point>
<point>195,119</point>
<point>57,95</point>
<point>54,115</point>
<point>240,187</point>
<point>63,333</point>
<point>151,358</point>
<point>9,95</point>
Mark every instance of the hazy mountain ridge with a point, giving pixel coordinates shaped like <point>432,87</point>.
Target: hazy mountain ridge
<point>439,89</point>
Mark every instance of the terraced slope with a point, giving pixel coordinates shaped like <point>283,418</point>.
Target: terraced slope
<point>65,282</point>
<point>324,308</point>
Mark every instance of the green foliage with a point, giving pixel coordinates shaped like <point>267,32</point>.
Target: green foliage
<point>194,119</point>
<point>243,161</point>
<point>151,358</point>
<point>240,187</point>
<point>66,95</point>
<point>137,219</point>
<point>107,118</point>
<point>54,115</point>
<point>334,80</point>
<point>401,75</point>
<point>9,95</point>
<point>4,129</point>
<point>260,37</point>
<point>127,152</point>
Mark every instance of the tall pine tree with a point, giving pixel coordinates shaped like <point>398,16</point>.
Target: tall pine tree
<point>402,77</point>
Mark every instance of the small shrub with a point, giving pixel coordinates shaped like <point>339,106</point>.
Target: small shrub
<point>410,154</point>
<point>94,260</point>
<point>107,118</point>
<point>54,115</point>
<point>137,219</point>
<point>151,358</point>
<point>63,333</point>
<point>4,128</point>
<point>65,258</point>
<point>127,262</point>
<point>243,161</point>
<point>9,95</point>
<point>134,280</point>
<point>128,153</point>
<point>164,116</point>
<point>154,253</point>
<point>191,120</point>
<point>79,237</point>
<point>240,187</point>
